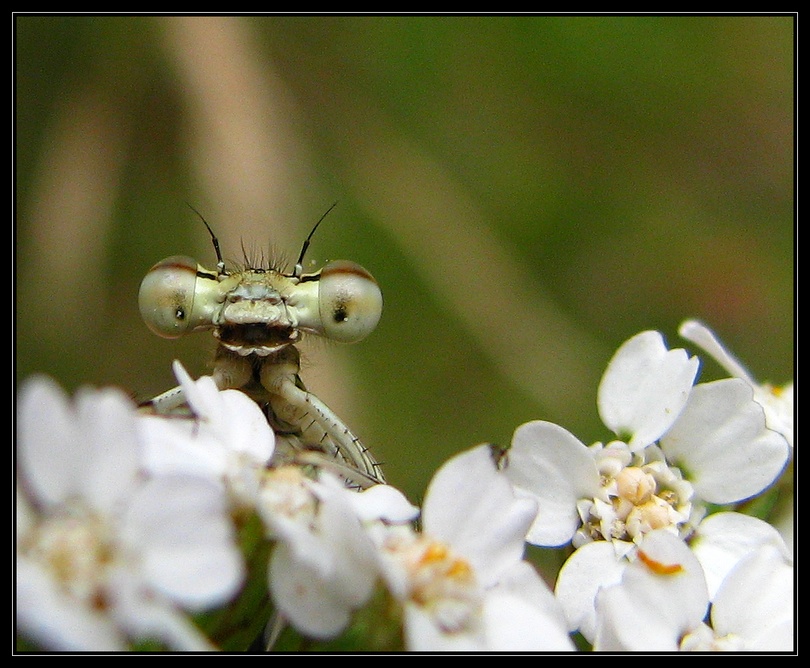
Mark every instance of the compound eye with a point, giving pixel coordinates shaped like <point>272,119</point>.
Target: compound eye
<point>166,296</point>
<point>349,300</point>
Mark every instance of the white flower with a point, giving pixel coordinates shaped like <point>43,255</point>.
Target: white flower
<point>753,608</point>
<point>584,574</point>
<point>661,600</point>
<point>712,446</point>
<point>776,401</point>
<point>661,597</point>
<point>722,540</point>
<point>103,553</point>
<point>683,447</point>
<point>323,565</point>
<point>227,440</point>
<point>644,389</point>
<point>462,581</point>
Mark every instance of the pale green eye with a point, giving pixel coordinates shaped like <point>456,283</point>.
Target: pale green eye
<point>349,301</point>
<point>166,297</point>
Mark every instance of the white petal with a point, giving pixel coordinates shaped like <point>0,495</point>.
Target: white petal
<point>523,580</point>
<point>354,554</point>
<point>201,395</point>
<point>470,505</point>
<point>181,527</point>
<point>755,602</point>
<point>644,388</point>
<point>88,449</point>
<point>778,637</point>
<point>514,624</point>
<point>248,431</point>
<point>384,502</point>
<point>307,600</point>
<point>522,614</point>
<point>552,466</point>
<point>585,572</point>
<point>232,421</point>
<point>174,445</point>
<point>661,597</point>
<point>670,577</point>
<point>392,543</point>
<point>777,402</point>
<point>723,444</point>
<point>422,634</point>
<point>698,333</point>
<point>304,544</point>
<point>170,627</point>
<point>49,447</point>
<point>623,626</point>
<point>111,466</point>
<point>325,567</point>
<point>722,539</point>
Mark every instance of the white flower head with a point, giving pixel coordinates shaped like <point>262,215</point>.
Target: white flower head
<point>682,446</point>
<point>660,599</point>
<point>462,581</point>
<point>662,596</point>
<point>323,565</point>
<point>720,542</point>
<point>105,554</point>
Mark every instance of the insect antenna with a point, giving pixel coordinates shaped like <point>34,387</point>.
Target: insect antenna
<point>299,266</point>
<point>220,261</point>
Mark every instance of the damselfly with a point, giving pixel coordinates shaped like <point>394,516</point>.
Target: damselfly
<point>257,316</point>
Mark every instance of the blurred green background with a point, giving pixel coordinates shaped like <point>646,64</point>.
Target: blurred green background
<point>528,191</point>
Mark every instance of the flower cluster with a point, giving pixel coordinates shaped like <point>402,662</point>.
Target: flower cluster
<point>107,553</point>
<point>138,522</point>
<point>136,530</point>
<point>636,508</point>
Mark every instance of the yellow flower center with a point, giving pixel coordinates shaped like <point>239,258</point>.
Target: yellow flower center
<point>441,582</point>
<point>76,550</point>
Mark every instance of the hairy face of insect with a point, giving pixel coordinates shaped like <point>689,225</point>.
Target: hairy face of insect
<point>260,311</point>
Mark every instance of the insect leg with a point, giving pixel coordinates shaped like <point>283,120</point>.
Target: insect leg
<point>316,424</point>
<point>166,403</point>
<point>230,371</point>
